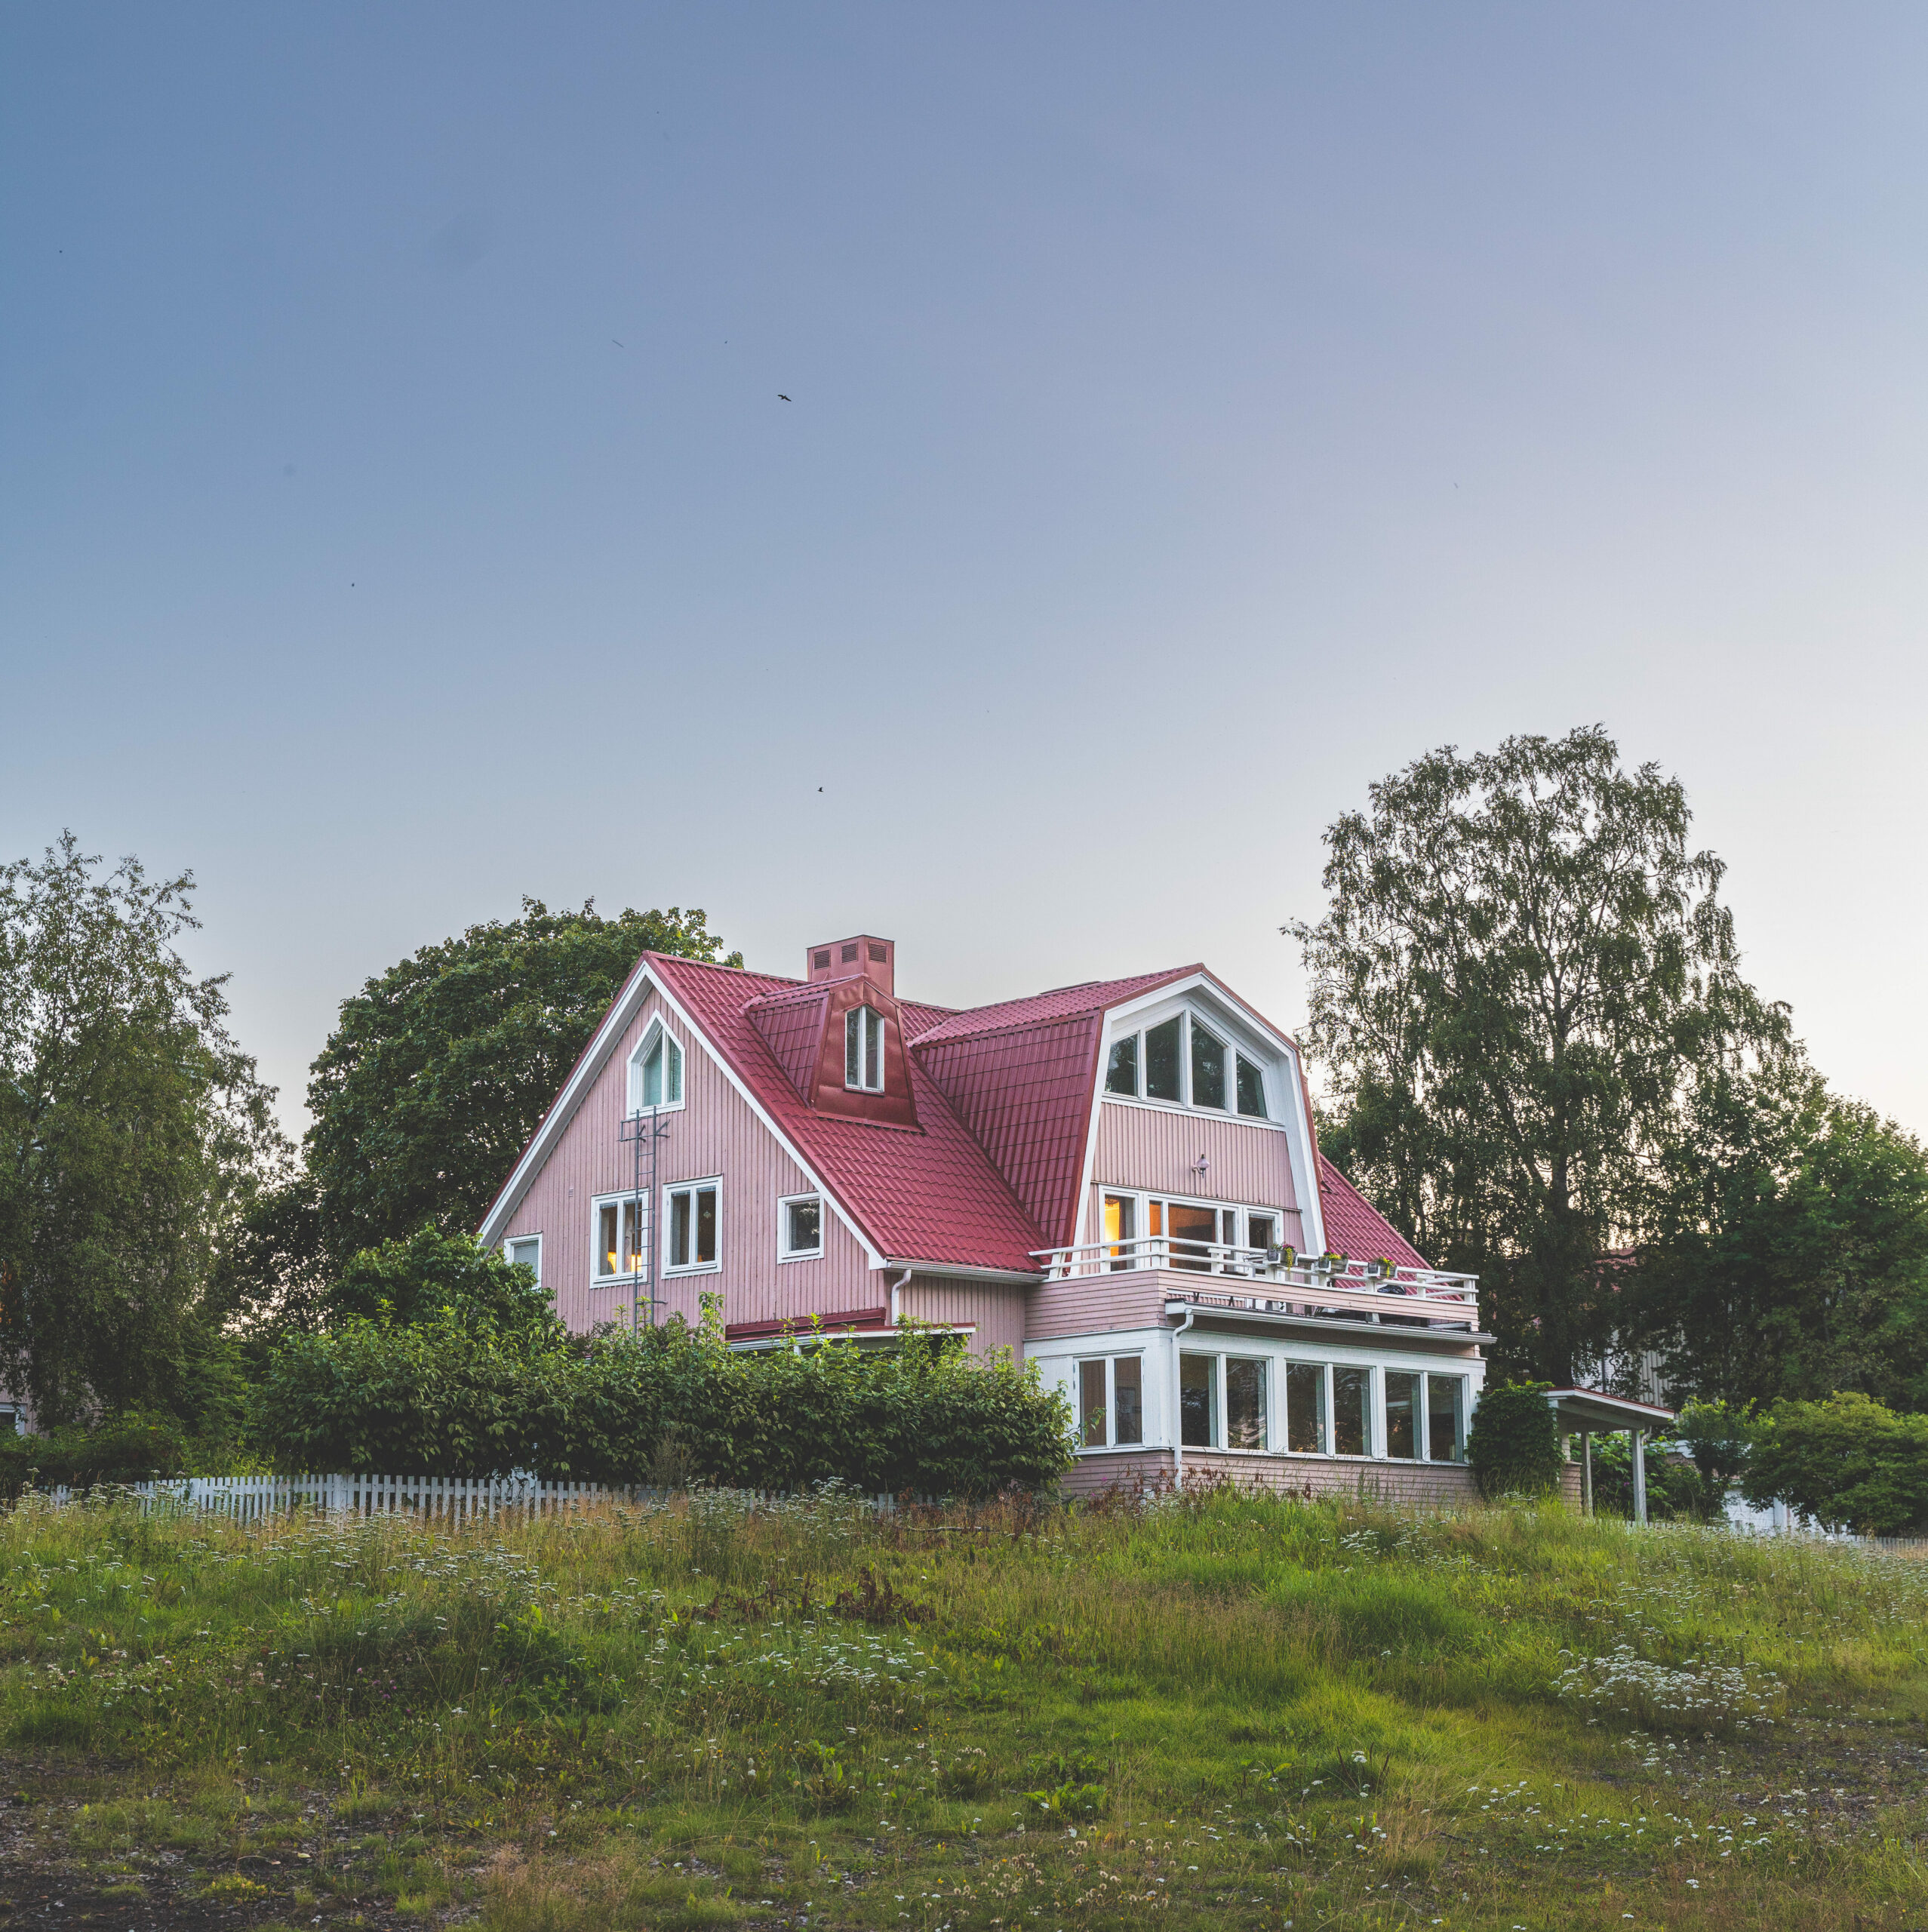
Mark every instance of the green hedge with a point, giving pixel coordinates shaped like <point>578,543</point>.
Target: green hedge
<point>452,1397</point>
<point>132,1448</point>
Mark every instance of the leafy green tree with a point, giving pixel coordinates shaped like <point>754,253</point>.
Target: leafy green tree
<point>133,1134</point>
<point>1847,1462</point>
<point>431,1276</point>
<point>1788,1252</point>
<point>1715,1436</point>
<point>1524,973</point>
<point>441,1069</point>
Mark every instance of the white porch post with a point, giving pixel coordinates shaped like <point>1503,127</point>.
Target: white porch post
<point>1640,1475</point>
<point>1586,1473</point>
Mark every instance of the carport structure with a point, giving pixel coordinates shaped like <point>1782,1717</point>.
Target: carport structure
<point>1587,1413</point>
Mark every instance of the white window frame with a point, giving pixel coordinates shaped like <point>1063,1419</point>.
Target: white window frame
<point>691,1187</point>
<point>623,1277</point>
<point>657,1028</point>
<point>1141,1215</point>
<point>1110,1359</point>
<point>864,1083</point>
<point>1236,1049</point>
<point>534,1240</point>
<point>784,1204</point>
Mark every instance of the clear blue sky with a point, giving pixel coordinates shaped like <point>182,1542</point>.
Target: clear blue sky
<point>1197,412</point>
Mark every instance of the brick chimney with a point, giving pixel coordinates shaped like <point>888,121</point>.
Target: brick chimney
<point>866,958</point>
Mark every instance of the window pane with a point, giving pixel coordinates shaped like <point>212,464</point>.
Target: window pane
<point>1445,1410</point>
<point>1207,1069</point>
<point>1305,1408</point>
<point>1402,1399</point>
<point>1261,1231</point>
<point>1244,1402</point>
<point>804,1234</point>
<point>705,1224</point>
<point>1120,1225</point>
<point>1193,1231</point>
<point>1161,1050</point>
<point>1251,1090</point>
<point>1091,1403</point>
<point>1128,1398</point>
<point>526,1254</point>
<point>606,1247</point>
<point>632,1237</point>
<point>1351,1388</point>
<point>653,1075</point>
<point>1198,1400</point>
<point>1121,1074</point>
<point>672,1087</point>
<point>873,1050</point>
<point>853,1047</point>
<point>679,1229</point>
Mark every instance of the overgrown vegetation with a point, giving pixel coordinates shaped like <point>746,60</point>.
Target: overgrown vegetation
<point>1207,1712</point>
<point>461,1394</point>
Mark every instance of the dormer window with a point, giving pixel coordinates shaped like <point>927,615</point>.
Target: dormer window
<point>656,1072</point>
<point>863,1050</point>
<point>1183,1062</point>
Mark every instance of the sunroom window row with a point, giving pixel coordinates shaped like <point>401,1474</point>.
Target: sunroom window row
<point>1235,1401</point>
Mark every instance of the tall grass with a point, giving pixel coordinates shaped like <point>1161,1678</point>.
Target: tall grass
<point>1223,1710</point>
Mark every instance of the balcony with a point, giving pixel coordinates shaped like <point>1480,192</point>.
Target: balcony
<point>1271,1281</point>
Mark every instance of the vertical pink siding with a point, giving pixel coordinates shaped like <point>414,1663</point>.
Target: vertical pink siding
<point>996,1312</point>
<point>716,1132</point>
<point>1155,1150</point>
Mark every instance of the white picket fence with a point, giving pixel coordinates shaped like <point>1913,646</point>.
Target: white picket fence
<point>448,1499</point>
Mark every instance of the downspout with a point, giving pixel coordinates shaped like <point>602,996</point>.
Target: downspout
<point>897,1287</point>
<point>1178,1401</point>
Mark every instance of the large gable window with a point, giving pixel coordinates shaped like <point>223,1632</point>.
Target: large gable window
<point>863,1049</point>
<point>1181,1061</point>
<point>655,1071</point>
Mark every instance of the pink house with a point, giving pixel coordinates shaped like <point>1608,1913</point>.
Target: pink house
<point>1118,1182</point>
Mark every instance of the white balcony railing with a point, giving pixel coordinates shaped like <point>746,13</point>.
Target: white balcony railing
<point>1276,1282</point>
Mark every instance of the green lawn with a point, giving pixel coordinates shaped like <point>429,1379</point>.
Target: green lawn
<point>1234,1712</point>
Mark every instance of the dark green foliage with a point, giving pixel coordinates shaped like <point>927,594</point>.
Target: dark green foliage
<point>1847,1462</point>
<point>1513,1447</point>
<point>453,1396</point>
<point>1715,1438</point>
<point>444,1397</point>
<point>131,1448</point>
<point>1788,1253</point>
<point>1524,973</point>
<point>133,1134</point>
<point>1674,1491</point>
<point>441,1069</point>
<point>430,1275</point>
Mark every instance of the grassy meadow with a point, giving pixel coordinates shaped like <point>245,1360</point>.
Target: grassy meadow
<point>1227,1711</point>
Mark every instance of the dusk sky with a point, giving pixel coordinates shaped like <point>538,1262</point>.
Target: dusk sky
<point>1196,413</point>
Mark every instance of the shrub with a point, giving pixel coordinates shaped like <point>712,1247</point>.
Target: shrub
<point>452,1397</point>
<point>431,1276</point>
<point>1514,1447</point>
<point>1675,1493</point>
<point>1848,1462</point>
<point>135,1448</point>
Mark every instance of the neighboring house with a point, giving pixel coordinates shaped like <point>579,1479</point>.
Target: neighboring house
<point>1118,1181</point>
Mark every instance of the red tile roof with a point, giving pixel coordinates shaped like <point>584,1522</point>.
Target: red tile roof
<point>1003,1095</point>
<point>1091,998</point>
<point>929,1194</point>
<point>1355,1228</point>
